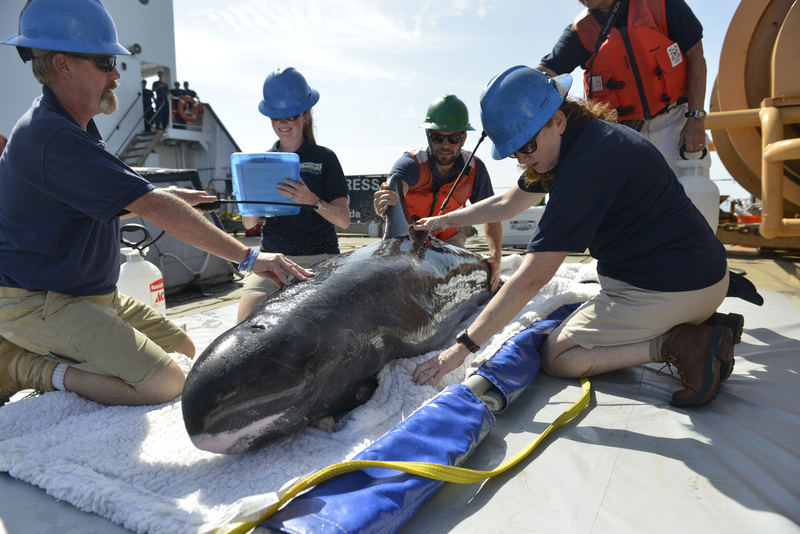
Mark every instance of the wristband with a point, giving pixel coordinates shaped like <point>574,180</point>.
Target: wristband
<point>465,340</point>
<point>249,261</point>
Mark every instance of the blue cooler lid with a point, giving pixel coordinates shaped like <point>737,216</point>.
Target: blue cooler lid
<point>256,177</point>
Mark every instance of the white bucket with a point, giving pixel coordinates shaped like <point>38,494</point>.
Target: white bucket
<point>141,279</point>
<point>700,189</point>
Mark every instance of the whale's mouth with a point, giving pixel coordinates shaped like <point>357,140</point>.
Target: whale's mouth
<point>230,425</point>
<point>236,441</point>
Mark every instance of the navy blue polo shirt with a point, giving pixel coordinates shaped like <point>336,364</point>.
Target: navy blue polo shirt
<point>407,169</point>
<point>60,194</point>
<point>568,53</point>
<point>308,233</point>
<point>615,194</point>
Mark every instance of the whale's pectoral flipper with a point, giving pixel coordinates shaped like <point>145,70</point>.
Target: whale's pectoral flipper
<point>361,393</point>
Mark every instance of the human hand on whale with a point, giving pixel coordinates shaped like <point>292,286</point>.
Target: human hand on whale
<point>383,198</point>
<point>279,269</point>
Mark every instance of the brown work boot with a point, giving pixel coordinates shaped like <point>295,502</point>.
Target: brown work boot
<point>20,370</point>
<point>735,322</point>
<point>697,352</point>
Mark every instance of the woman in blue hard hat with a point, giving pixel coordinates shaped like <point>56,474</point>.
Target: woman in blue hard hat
<point>310,236</point>
<point>661,269</point>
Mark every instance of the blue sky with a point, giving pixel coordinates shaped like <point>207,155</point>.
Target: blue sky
<point>379,64</point>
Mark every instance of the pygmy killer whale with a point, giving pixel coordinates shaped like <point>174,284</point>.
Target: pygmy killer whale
<point>313,348</point>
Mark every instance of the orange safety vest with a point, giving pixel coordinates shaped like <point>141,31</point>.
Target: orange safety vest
<point>423,202</point>
<point>638,70</point>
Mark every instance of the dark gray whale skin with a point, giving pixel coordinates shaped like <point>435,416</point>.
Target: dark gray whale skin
<point>313,348</point>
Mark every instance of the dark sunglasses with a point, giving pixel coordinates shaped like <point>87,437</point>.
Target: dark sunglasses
<point>438,139</point>
<point>289,119</point>
<point>105,64</point>
<point>528,148</point>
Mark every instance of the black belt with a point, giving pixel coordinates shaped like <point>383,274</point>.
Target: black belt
<point>637,124</point>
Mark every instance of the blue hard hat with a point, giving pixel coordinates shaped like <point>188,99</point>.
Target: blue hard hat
<point>82,26</point>
<point>286,93</point>
<point>516,104</point>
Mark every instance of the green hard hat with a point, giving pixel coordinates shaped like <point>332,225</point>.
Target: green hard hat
<point>447,113</point>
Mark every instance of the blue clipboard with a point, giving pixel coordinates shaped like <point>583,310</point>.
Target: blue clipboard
<point>256,177</point>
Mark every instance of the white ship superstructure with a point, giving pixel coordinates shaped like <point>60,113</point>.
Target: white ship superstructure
<point>146,28</point>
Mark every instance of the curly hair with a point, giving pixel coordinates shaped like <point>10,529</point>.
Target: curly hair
<point>577,112</point>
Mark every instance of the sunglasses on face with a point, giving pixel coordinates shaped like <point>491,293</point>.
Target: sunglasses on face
<point>105,64</point>
<point>528,148</point>
<point>438,139</point>
<point>288,119</point>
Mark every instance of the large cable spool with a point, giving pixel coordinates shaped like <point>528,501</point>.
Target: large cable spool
<point>760,60</point>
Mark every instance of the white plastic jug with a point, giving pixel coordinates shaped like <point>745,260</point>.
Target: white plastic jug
<point>372,229</point>
<point>141,279</point>
<point>701,190</point>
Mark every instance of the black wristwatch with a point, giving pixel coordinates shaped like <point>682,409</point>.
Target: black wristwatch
<point>464,339</point>
<point>318,205</point>
<point>698,114</point>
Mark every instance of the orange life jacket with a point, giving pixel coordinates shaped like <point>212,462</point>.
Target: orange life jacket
<point>638,70</point>
<point>423,202</point>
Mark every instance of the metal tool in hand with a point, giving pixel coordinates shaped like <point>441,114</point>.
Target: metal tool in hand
<point>466,165</point>
<point>216,205</point>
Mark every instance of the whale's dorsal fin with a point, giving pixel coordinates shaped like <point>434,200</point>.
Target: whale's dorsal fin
<point>397,218</point>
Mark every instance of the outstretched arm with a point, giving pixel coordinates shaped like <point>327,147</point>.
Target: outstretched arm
<point>494,209</point>
<point>181,220</point>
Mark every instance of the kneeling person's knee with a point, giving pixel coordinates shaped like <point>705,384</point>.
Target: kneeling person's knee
<point>164,386</point>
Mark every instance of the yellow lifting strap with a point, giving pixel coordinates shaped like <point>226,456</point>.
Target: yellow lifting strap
<point>446,473</point>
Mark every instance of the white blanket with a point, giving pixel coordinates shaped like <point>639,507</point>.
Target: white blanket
<point>137,467</point>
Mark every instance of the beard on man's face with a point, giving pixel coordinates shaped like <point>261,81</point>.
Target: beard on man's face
<point>109,104</point>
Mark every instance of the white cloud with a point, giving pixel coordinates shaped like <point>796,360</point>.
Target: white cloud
<point>377,64</point>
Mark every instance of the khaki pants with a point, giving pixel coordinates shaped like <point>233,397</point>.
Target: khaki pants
<point>664,131</point>
<point>623,314</point>
<point>112,334</point>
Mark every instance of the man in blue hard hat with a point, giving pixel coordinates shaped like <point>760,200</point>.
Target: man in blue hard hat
<point>661,269</point>
<point>429,176</point>
<point>63,324</point>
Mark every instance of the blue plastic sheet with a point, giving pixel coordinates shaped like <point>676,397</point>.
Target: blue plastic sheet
<point>515,365</point>
<point>444,431</point>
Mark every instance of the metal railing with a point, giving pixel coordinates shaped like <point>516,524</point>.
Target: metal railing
<point>135,100</point>
<point>775,149</point>
<point>196,126</point>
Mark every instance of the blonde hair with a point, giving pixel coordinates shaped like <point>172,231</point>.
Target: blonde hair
<point>576,111</point>
<point>42,67</point>
<point>308,128</point>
